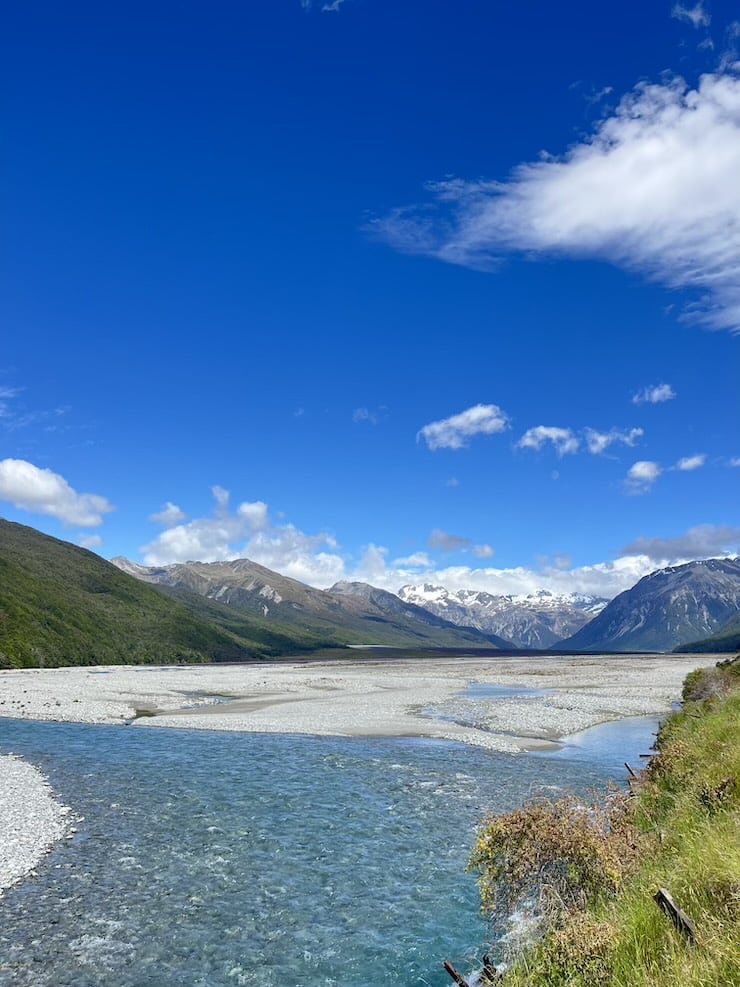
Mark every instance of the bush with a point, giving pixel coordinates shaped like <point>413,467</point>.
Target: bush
<point>559,855</point>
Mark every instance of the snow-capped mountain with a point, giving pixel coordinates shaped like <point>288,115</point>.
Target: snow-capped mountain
<point>668,608</point>
<point>537,620</point>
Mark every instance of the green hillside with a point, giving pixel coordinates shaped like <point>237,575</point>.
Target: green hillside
<point>63,605</point>
<point>726,640</point>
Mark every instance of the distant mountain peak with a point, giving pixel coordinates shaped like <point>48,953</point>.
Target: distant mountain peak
<point>533,620</point>
<point>665,609</point>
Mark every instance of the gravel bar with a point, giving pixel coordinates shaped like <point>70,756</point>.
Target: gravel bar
<point>31,819</point>
<point>419,697</point>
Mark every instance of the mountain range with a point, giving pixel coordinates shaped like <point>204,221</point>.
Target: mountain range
<point>665,610</point>
<point>349,613</point>
<point>61,604</point>
<point>538,620</point>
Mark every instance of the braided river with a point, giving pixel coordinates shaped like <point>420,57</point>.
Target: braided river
<point>208,859</point>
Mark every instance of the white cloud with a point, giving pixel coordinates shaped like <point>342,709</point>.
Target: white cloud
<point>248,533</point>
<point>456,431</point>
<point>697,16</point>
<point>483,551</point>
<point>446,542</point>
<point>254,513</point>
<point>641,476</point>
<point>654,394</point>
<point>600,579</point>
<point>90,541</point>
<point>314,559</point>
<point>654,189</point>
<point>169,515</point>
<point>598,442</point>
<point>691,462</point>
<point>419,560</point>
<point>40,491</point>
<point>735,461</point>
<point>562,439</point>
<point>372,416</point>
<point>702,542</point>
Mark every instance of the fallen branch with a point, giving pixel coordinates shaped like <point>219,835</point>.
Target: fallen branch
<point>680,919</point>
<point>460,981</point>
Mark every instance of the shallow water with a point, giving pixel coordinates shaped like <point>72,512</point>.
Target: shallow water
<point>217,859</point>
<point>610,744</point>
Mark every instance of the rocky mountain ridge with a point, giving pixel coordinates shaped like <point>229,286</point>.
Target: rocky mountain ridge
<point>535,620</point>
<point>666,609</point>
<point>369,616</point>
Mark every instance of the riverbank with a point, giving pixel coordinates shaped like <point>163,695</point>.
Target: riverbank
<point>539,700</point>
<point>31,819</point>
<point>674,844</point>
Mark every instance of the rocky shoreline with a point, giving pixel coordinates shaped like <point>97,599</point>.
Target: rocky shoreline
<point>32,820</point>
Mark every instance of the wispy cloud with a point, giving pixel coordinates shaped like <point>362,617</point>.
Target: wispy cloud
<point>456,431</point>
<point>40,491</point>
<point>370,416</point>
<point>483,551</point>
<point>598,442</point>
<point>14,415</point>
<point>654,189</point>
<point>562,439</point>
<point>702,542</point>
<point>641,476</point>
<point>169,515</point>
<point>418,560</point>
<point>697,16</point>
<point>689,463</point>
<point>654,394</point>
<point>445,542</point>
<point>332,7</point>
<point>6,396</point>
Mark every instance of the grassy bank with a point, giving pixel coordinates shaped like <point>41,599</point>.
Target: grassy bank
<point>597,872</point>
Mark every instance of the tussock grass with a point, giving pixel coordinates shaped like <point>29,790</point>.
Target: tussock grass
<point>685,826</point>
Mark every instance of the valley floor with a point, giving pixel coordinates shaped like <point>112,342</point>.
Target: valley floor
<point>540,699</point>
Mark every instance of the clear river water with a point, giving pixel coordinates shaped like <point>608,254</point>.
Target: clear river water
<point>208,859</point>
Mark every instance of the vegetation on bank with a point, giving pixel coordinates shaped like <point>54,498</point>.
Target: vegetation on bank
<point>726,639</point>
<point>62,605</point>
<point>594,871</point>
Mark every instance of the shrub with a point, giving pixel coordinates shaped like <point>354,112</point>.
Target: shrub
<point>559,855</point>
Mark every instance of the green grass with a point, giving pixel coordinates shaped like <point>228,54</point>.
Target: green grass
<point>686,821</point>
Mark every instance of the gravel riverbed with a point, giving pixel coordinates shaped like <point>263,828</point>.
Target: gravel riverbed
<point>31,819</point>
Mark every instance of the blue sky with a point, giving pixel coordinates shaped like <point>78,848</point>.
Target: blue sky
<point>401,291</point>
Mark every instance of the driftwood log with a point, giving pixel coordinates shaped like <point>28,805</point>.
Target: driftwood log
<point>460,981</point>
<point>664,900</point>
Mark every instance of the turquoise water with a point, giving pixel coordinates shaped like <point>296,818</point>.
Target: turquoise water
<point>220,859</point>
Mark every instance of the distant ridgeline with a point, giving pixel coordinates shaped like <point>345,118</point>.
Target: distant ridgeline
<point>63,605</point>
